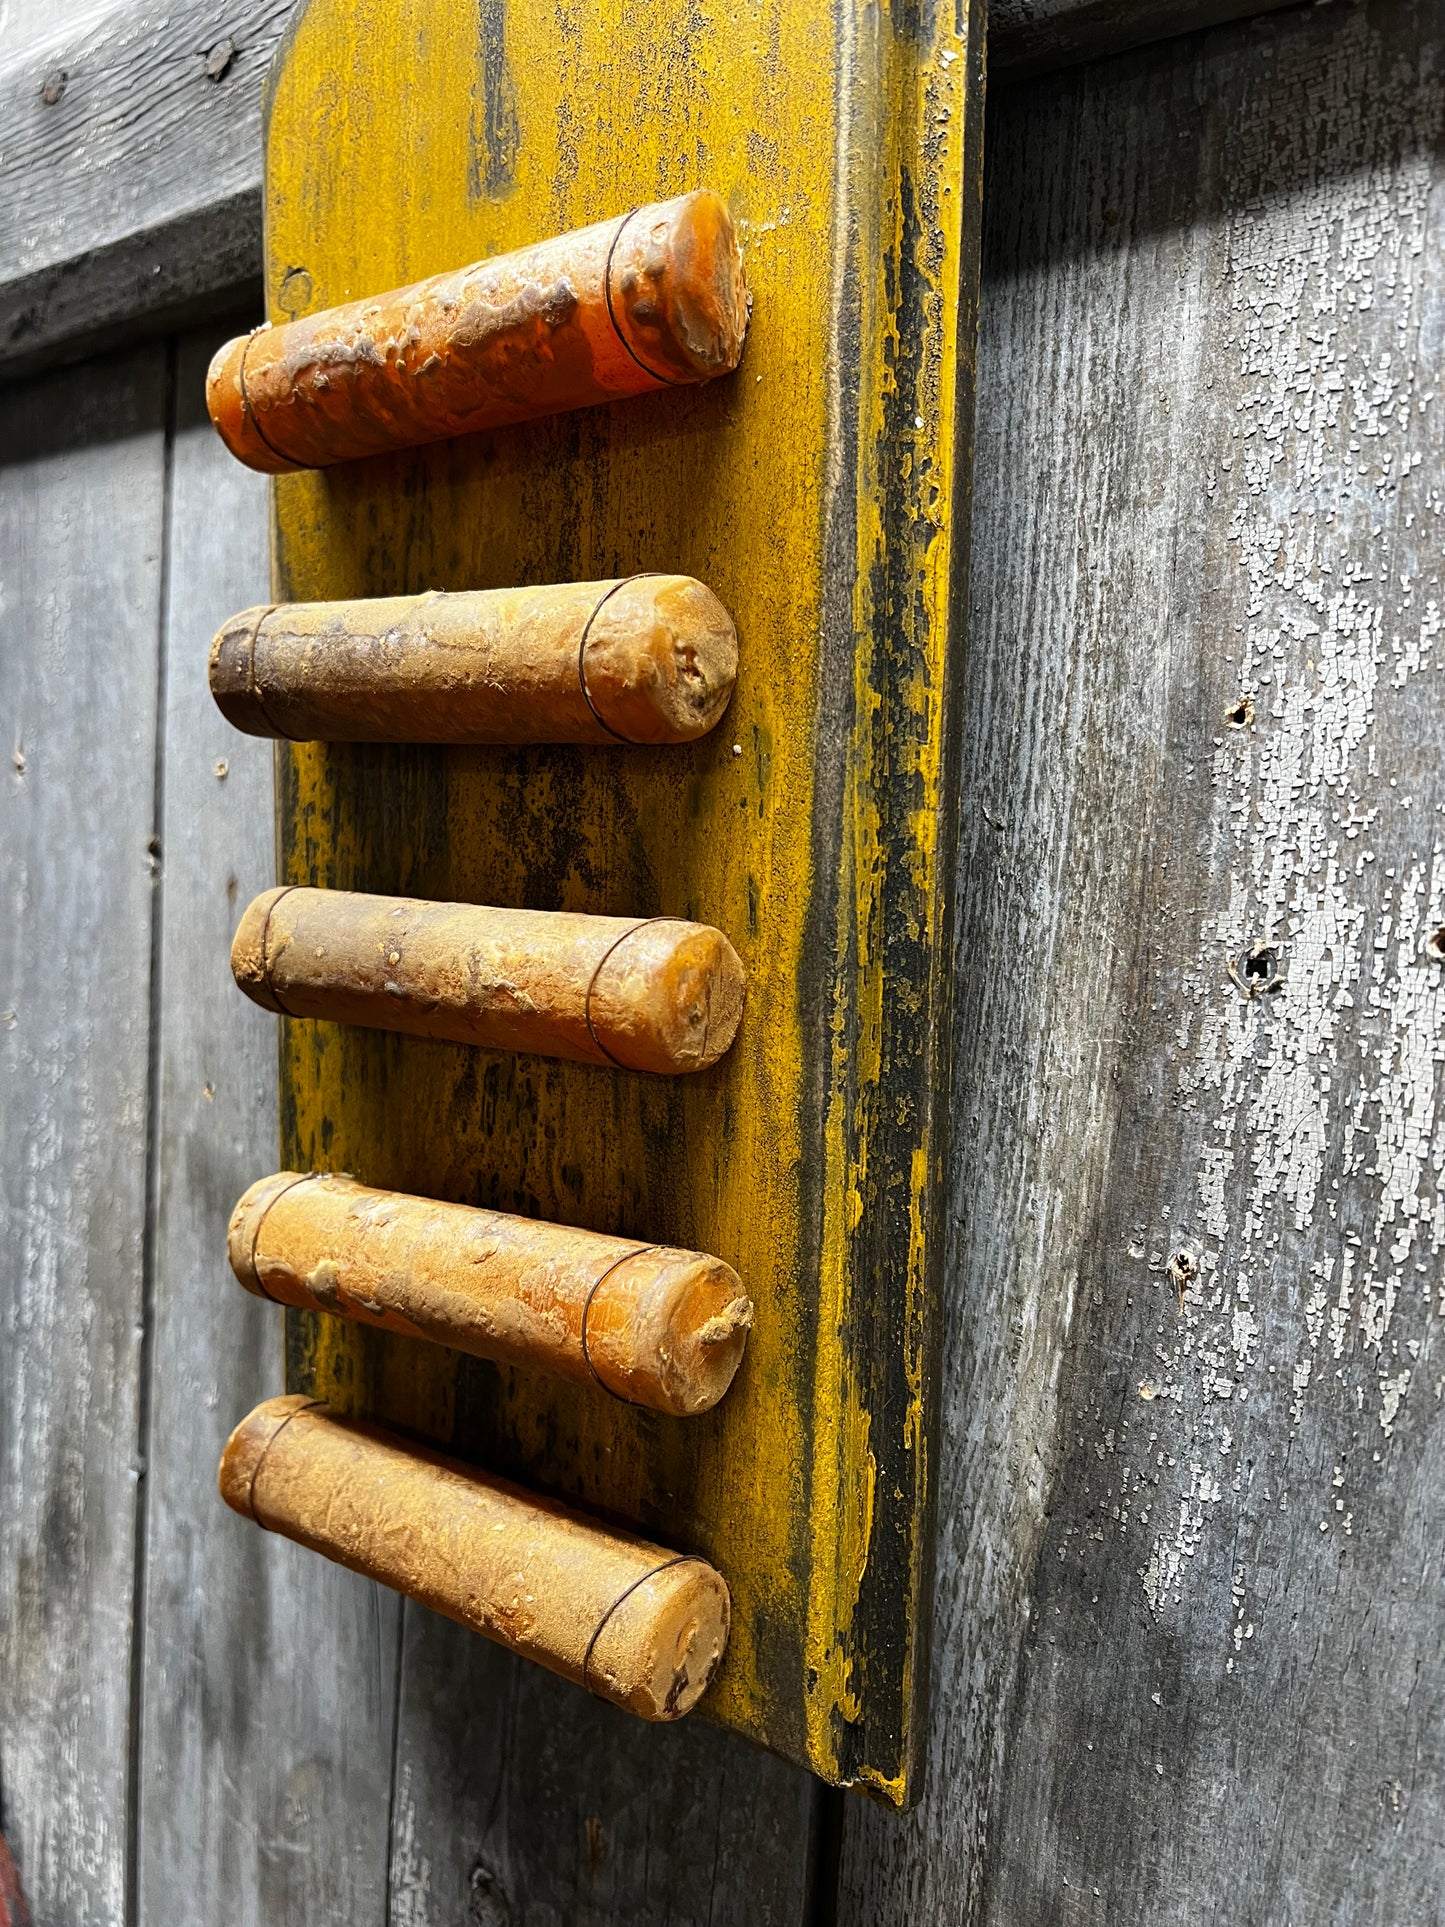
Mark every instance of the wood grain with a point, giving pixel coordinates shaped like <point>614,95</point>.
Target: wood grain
<point>132,199</point>
<point>1187,1654</point>
<point>269,1676</point>
<point>520,1802</point>
<point>81,487</point>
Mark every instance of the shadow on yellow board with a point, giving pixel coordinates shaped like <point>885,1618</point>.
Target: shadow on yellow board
<point>820,491</point>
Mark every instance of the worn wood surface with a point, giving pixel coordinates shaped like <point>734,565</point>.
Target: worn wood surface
<point>519,1800</point>
<point>130,155</point>
<point>818,491</point>
<point>1188,1660</point>
<point>269,1677</point>
<point>1030,37</point>
<point>81,484</point>
<point>134,198</point>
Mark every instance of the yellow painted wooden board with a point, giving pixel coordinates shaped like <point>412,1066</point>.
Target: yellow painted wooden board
<point>821,491</point>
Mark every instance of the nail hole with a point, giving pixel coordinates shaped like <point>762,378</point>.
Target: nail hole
<point>1183,1268</point>
<point>1435,943</point>
<point>1257,969</point>
<point>1242,714</point>
<point>52,90</point>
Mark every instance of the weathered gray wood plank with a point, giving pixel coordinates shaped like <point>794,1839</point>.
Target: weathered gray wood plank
<point>520,1802</point>
<point>130,167</point>
<point>269,1680</point>
<point>1188,1661</point>
<point>132,199</point>
<point>81,493</point>
<point>1030,37</point>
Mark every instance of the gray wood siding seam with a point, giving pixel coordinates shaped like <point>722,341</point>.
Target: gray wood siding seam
<point>132,201</point>
<point>1187,1655</point>
<point>522,1802</point>
<point>146,1345</point>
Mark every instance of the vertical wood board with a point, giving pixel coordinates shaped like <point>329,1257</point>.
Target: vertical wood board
<point>82,477</point>
<point>520,1802</point>
<point>815,491</point>
<point>1187,1646</point>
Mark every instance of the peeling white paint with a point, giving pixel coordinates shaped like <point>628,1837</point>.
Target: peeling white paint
<point>1316,1106</point>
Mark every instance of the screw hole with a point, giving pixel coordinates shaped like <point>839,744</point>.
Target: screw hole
<point>1257,969</point>
<point>1435,943</point>
<point>1242,714</point>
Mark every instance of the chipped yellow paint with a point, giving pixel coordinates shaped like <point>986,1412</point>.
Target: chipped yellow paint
<point>402,141</point>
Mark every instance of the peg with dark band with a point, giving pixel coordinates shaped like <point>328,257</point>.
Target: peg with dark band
<point>649,1324</point>
<point>632,1622</point>
<point>650,300</point>
<point>647,660</point>
<point>655,994</point>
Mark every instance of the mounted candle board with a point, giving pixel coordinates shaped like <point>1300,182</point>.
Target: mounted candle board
<point>819,492</point>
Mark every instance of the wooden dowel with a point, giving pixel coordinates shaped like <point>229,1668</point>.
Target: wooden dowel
<point>644,994</point>
<point>646,301</point>
<point>636,1624</point>
<point>650,659</point>
<point>657,1326</point>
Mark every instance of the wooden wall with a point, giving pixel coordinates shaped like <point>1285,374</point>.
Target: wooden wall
<point>1188,1655</point>
<point>1187,1660</point>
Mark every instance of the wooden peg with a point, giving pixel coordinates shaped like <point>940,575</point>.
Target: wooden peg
<point>650,659</point>
<point>657,1326</point>
<point>632,1622</point>
<point>644,994</point>
<point>649,301</point>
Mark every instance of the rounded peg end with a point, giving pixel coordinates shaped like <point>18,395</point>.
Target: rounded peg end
<point>668,1329</point>
<point>232,419</point>
<point>244,1230</point>
<point>668,998</point>
<point>248,1445</point>
<point>660,1647</point>
<point>676,288</point>
<point>232,674</point>
<point>661,659</point>
<point>248,950</point>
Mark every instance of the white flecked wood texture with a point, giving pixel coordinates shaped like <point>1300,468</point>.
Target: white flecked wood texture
<point>1187,1655</point>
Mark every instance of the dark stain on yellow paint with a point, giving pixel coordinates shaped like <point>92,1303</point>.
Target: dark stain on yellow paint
<point>494,108</point>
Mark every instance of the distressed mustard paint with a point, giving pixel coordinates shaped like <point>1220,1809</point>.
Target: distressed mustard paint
<point>839,136</point>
